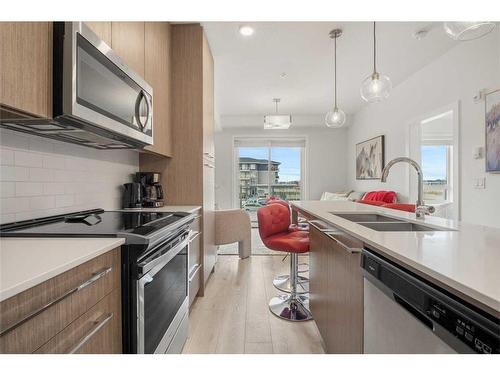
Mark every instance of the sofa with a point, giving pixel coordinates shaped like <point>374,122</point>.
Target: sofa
<point>380,198</point>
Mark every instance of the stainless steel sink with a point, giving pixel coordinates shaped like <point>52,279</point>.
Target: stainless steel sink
<point>401,227</point>
<point>383,223</point>
<point>368,218</point>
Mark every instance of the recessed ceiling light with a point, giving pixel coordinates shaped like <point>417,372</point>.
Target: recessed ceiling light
<point>283,75</point>
<point>246,30</point>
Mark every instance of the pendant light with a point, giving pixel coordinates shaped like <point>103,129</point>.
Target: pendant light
<point>376,87</point>
<point>464,31</point>
<point>277,121</point>
<point>336,117</point>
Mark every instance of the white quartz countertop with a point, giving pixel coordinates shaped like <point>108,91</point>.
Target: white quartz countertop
<point>466,261</point>
<point>189,209</point>
<point>26,262</point>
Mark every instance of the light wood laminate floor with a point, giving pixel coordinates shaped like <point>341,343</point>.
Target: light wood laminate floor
<point>233,316</point>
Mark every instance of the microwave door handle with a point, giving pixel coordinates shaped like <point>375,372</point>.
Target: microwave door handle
<point>142,95</point>
<point>149,107</point>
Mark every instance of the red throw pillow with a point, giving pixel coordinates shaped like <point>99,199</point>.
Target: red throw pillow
<point>381,195</point>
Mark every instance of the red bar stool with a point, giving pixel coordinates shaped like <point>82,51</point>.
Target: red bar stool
<point>274,230</point>
<point>283,282</point>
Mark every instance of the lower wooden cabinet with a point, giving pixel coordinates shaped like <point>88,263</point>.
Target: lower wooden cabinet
<point>96,331</point>
<point>336,291</point>
<point>195,259</point>
<point>70,309</point>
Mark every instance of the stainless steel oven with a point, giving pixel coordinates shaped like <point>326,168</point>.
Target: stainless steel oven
<point>162,298</point>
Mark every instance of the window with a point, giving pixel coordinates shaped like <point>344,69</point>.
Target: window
<point>275,168</point>
<point>436,166</point>
<point>433,142</point>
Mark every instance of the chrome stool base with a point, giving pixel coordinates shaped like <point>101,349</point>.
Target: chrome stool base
<point>303,267</point>
<point>293,309</point>
<point>282,283</point>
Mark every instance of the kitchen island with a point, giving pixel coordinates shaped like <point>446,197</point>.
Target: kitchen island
<point>462,259</point>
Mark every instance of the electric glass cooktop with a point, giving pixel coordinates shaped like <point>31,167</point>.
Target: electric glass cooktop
<point>97,223</point>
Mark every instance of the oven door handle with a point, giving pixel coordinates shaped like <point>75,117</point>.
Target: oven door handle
<point>152,267</point>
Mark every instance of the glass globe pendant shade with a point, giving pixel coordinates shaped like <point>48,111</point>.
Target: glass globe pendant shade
<point>335,118</point>
<point>375,88</point>
<point>464,31</point>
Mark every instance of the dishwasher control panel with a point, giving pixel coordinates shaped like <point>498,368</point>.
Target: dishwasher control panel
<point>472,334</point>
<point>447,316</point>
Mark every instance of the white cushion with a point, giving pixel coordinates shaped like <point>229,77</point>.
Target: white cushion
<point>327,196</point>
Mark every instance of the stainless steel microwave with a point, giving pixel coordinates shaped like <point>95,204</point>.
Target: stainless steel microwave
<point>98,101</point>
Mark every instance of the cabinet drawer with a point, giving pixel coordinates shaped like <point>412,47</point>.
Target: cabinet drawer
<point>31,318</point>
<point>195,250</point>
<point>194,284</point>
<point>195,226</point>
<point>98,331</point>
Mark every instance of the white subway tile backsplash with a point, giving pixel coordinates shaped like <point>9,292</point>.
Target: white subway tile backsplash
<point>7,157</point>
<point>73,187</point>
<point>54,162</point>
<point>28,189</point>
<point>76,164</point>
<point>65,200</point>
<point>41,174</point>
<point>42,177</point>
<point>7,218</point>
<point>42,202</point>
<point>13,205</point>
<point>10,173</point>
<point>53,188</point>
<point>41,144</point>
<point>13,139</point>
<point>7,189</point>
<point>27,159</point>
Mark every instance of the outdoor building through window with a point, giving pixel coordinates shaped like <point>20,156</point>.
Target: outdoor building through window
<point>268,169</point>
<point>436,155</point>
<point>436,165</point>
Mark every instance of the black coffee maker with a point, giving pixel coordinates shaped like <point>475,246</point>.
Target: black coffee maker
<point>132,195</point>
<point>151,189</point>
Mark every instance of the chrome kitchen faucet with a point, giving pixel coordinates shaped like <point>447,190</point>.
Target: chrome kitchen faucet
<point>420,208</point>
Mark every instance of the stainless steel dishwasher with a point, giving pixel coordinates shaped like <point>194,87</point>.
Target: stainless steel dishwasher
<point>405,314</point>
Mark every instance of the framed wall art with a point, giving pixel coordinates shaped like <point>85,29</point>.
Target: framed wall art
<point>370,159</point>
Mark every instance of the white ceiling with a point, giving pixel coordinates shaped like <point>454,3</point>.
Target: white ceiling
<point>247,69</point>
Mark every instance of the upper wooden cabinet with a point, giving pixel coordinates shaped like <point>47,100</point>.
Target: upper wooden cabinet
<point>26,67</point>
<point>127,40</point>
<point>189,176</point>
<point>102,30</point>
<point>157,74</point>
<point>208,101</point>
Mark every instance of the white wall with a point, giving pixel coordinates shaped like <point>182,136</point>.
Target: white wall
<point>40,177</point>
<point>455,76</point>
<point>326,159</point>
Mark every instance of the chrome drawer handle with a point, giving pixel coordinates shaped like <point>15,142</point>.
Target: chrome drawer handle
<point>88,336</point>
<point>352,250</point>
<point>193,272</point>
<point>193,235</point>
<point>96,276</point>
